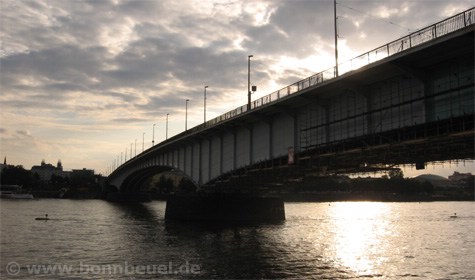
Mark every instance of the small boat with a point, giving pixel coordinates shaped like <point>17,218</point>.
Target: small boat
<point>454,215</point>
<point>45,218</point>
<point>14,192</point>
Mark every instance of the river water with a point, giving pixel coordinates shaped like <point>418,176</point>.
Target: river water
<point>94,239</point>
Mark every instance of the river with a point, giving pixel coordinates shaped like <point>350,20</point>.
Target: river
<point>94,239</point>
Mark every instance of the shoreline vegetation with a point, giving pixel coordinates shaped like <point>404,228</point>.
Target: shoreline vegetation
<point>327,196</point>
<point>374,197</point>
<point>310,197</point>
<point>311,188</point>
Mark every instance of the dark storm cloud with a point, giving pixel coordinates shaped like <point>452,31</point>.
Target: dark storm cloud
<point>65,63</point>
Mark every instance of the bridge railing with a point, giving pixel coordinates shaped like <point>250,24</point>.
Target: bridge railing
<point>416,38</point>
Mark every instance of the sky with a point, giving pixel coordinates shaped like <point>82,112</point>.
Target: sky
<point>82,81</point>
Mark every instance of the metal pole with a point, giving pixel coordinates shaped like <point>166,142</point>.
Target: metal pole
<point>166,132</point>
<point>135,147</point>
<point>143,141</point>
<point>204,119</point>
<point>249,82</point>
<point>131,150</point>
<point>153,136</point>
<point>336,39</point>
<point>186,114</point>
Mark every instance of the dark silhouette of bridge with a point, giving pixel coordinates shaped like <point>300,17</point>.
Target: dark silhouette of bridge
<point>410,101</point>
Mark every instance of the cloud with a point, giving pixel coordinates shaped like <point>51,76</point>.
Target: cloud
<point>90,72</point>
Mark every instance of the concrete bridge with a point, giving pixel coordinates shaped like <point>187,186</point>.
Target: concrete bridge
<point>410,101</point>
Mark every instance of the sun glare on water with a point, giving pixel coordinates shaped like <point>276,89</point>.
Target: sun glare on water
<point>360,230</point>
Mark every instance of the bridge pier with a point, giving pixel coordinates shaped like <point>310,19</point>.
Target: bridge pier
<point>128,197</point>
<point>224,208</point>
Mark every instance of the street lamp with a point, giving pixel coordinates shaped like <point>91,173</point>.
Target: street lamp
<point>143,141</point>
<point>249,82</point>
<point>186,114</point>
<point>204,120</point>
<point>153,137</point>
<point>336,38</point>
<point>166,132</point>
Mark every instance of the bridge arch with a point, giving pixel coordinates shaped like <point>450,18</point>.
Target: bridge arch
<point>136,180</point>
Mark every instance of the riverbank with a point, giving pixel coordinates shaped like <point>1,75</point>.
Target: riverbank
<point>377,197</point>
<point>325,196</point>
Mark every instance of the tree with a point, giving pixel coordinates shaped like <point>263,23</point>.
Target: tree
<point>16,175</point>
<point>186,186</point>
<point>164,185</point>
<point>396,174</point>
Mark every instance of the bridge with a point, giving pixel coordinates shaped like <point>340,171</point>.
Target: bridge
<point>410,101</point>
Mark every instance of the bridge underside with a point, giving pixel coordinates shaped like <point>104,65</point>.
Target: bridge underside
<point>451,139</point>
<point>136,181</point>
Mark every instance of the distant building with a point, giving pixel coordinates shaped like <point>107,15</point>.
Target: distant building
<point>462,179</point>
<point>457,177</point>
<point>82,177</point>
<point>45,171</point>
<point>82,172</point>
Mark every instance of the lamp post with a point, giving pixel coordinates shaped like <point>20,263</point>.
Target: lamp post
<point>131,150</point>
<point>336,38</point>
<point>135,147</point>
<point>153,135</point>
<point>186,114</point>
<point>166,131</point>
<point>249,82</point>
<point>204,119</point>
<point>143,141</point>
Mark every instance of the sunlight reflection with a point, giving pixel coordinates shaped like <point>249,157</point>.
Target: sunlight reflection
<point>360,232</point>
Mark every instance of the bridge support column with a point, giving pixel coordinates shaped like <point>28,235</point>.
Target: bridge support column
<point>210,148</point>
<point>200,165</point>
<point>221,158</point>
<point>234,149</point>
<point>251,145</point>
<point>271,140</point>
<point>128,197</point>
<point>224,208</point>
